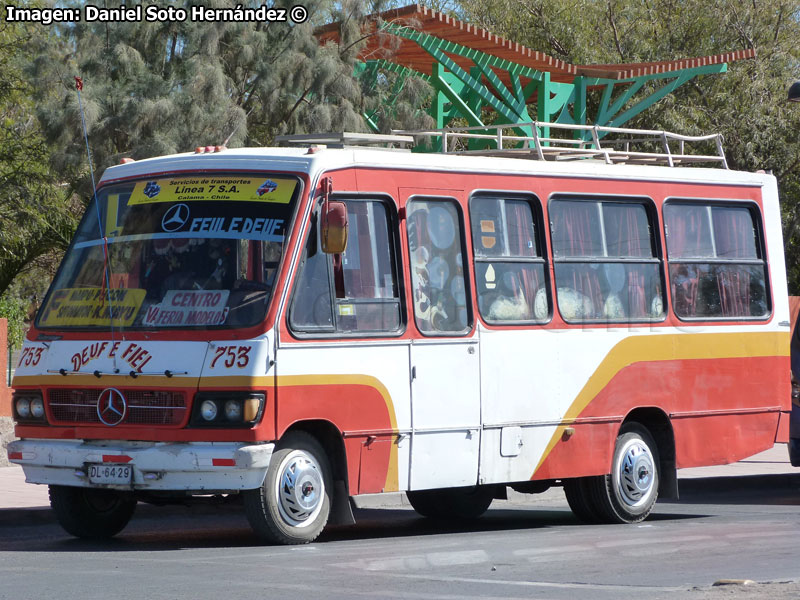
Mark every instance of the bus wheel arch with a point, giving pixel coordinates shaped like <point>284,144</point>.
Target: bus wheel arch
<point>332,441</point>
<point>302,491</point>
<point>629,492</point>
<point>642,468</point>
<point>659,426</point>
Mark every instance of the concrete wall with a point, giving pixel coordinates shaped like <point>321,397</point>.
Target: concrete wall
<point>5,391</point>
<point>6,424</point>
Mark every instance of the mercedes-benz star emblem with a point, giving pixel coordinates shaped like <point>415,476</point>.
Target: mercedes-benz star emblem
<point>111,407</point>
<point>175,218</point>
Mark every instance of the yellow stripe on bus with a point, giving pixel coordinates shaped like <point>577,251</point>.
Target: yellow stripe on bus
<point>89,380</point>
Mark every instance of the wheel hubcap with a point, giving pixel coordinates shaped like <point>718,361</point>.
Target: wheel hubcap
<point>635,473</point>
<point>300,489</point>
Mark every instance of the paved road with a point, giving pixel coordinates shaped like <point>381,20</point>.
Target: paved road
<point>531,547</point>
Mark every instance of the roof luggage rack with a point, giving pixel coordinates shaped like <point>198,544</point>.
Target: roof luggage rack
<point>347,139</point>
<point>611,144</point>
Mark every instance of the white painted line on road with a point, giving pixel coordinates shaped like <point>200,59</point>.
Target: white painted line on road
<point>761,534</point>
<point>419,561</point>
<point>535,552</point>
<point>547,584</point>
<point>650,541</point>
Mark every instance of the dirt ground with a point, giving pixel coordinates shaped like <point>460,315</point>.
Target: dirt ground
<point>785,590</point>
<point>6,435</point>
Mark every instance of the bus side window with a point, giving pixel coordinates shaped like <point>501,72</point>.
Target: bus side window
<point>509,266</point>
<point>435,242</point>
<point>606,261</point>
<point>716,264</point>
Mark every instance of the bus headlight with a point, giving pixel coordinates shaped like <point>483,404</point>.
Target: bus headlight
<point>28,407</point>
<point>233,410</point>
<point>37,408</point>
<point>227,409</point>
<point>24,408</point>
<point>209,410</point>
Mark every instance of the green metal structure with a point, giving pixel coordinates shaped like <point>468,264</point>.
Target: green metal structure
<point>515,93</point>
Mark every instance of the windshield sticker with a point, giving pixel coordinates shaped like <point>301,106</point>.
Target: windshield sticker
<point>259,228</point>
<point>182,308</point>
<point>92,306</point>
<point>238,189</point>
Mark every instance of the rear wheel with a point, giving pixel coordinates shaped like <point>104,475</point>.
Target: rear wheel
<point>293,504</point>
<point>629,493</point>
<point>91,513</point>
<point>452,503</point>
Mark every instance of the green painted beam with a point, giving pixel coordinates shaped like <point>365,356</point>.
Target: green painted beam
<point>462,93</point>
<point>610,114</point>
<point>438,49</point>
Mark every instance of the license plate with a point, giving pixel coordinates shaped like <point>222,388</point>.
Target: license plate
<point>114,474</point>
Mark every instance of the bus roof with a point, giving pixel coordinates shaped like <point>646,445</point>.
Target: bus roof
<point>303,160</point>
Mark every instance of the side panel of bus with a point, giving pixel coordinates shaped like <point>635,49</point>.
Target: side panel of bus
<point>553,390</point>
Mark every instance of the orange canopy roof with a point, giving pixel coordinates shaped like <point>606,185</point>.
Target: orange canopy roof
<point>440,25</point>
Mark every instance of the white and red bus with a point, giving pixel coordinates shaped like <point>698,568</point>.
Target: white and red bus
<point>299,326</point>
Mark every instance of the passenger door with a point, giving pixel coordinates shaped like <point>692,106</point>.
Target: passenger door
<point>445,376</point>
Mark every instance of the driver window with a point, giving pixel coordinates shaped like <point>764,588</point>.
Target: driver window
<point>356,291</point>
<point>311,308</point>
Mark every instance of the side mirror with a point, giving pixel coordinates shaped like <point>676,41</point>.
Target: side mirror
<point>333,227</point>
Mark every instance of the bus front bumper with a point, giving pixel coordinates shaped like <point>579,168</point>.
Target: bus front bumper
<point>202,467</point>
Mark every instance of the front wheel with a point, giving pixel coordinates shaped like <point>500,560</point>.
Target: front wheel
<point>293,503</point>
<point>91,513</point>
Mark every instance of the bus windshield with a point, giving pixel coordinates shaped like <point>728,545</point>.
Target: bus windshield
<point>179,252</point>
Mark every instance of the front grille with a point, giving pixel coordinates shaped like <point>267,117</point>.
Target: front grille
<point>144,407</point>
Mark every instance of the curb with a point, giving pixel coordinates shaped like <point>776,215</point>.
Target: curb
<point>746,486</point>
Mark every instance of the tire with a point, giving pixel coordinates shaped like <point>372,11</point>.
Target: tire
<point>794,452</point>
<point>94,514</point>
<point>293,504</point>
<point>578,491</point>
<point>452,503</point>
<point>629,493</point>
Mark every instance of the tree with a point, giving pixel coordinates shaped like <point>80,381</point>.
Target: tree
<point>155,88</point>
<point>747,104</point>
<point>35,210</point>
